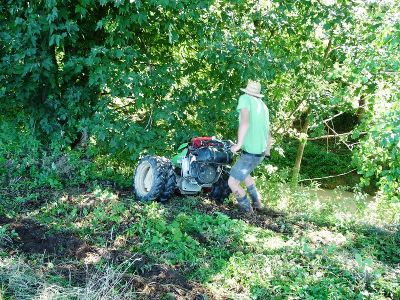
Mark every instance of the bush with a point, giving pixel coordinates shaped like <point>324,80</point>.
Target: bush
<point>378,157</point>
<point>24,158</point>
<point>317,161</point>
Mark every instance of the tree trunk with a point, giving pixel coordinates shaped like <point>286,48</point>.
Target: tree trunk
<point>361,108</point>
<point>304,129</point>
<point>300,151</point>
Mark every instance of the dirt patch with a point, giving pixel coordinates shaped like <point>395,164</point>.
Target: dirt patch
<point>198,236</point>
<point>158,281</point>
<point>34,238</point>
<point>265,218</point>
<point>143,266</point>
<point>151,289</point>
<point>75,273</point>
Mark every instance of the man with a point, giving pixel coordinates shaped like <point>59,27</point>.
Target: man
<point>255,141</point>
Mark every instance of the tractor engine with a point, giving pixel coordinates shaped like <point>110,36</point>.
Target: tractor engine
<point>204,173</point>
<point>203,164</point>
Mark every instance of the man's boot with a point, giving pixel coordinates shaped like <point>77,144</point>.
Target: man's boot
<point>244,204</point>
<point>255,196</point>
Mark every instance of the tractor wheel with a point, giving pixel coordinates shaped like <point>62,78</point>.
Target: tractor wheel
<point>150,177</point>
<point>170,184</point>
<point>220,189</point>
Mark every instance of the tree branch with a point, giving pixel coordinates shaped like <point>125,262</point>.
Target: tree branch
<point>332,136</point>
<point>311,179</point>
<point>327,50</point>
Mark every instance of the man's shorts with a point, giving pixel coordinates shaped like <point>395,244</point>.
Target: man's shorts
<point>245,165</point>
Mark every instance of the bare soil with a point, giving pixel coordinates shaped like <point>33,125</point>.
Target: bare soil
<point>34,238</point>
<point>151,281</point>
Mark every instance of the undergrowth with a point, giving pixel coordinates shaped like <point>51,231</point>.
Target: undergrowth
<point>307,250</point>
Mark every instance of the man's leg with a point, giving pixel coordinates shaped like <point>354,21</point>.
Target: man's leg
<point>254,194</point>
<point>240,194</point>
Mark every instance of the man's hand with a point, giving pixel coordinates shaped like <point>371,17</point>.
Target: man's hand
<point>235,148</point>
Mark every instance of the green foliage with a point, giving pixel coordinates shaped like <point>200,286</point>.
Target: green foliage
<point>25,160</point>
<point>378,156</point>
<point>116,76</point>
<point>6,236</point>
<point>319,160</point>
<point>89,86</point>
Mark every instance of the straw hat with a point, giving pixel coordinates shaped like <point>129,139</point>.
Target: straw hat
<point>253,88</point>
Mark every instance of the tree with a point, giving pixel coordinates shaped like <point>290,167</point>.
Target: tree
<point>122,74</point>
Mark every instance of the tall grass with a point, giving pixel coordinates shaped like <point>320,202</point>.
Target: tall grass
<point>20,281</point>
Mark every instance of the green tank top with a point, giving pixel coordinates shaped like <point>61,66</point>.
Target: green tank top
<point>255,141</point>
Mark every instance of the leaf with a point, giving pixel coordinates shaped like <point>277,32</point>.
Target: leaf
<point>99,24</point>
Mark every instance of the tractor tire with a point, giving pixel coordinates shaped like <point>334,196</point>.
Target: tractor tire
<point>170,184</point>
<point>220,190</point>
<point>150,177</point>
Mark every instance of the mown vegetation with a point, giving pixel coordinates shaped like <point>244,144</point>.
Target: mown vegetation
<point>87,87</point>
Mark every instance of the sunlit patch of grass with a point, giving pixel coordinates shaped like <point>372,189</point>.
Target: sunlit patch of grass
<point>334,206</point>
<point>241,269</point>
<point>326,237</point>
<point>88,213</point>
<point>104,194</point>
<point>280,274</point>
<point>303,271</point>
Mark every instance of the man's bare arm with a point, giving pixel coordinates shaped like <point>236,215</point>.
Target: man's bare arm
<point>243,127</point>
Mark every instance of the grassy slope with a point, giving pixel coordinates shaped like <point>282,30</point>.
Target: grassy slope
<point>98,243</point>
